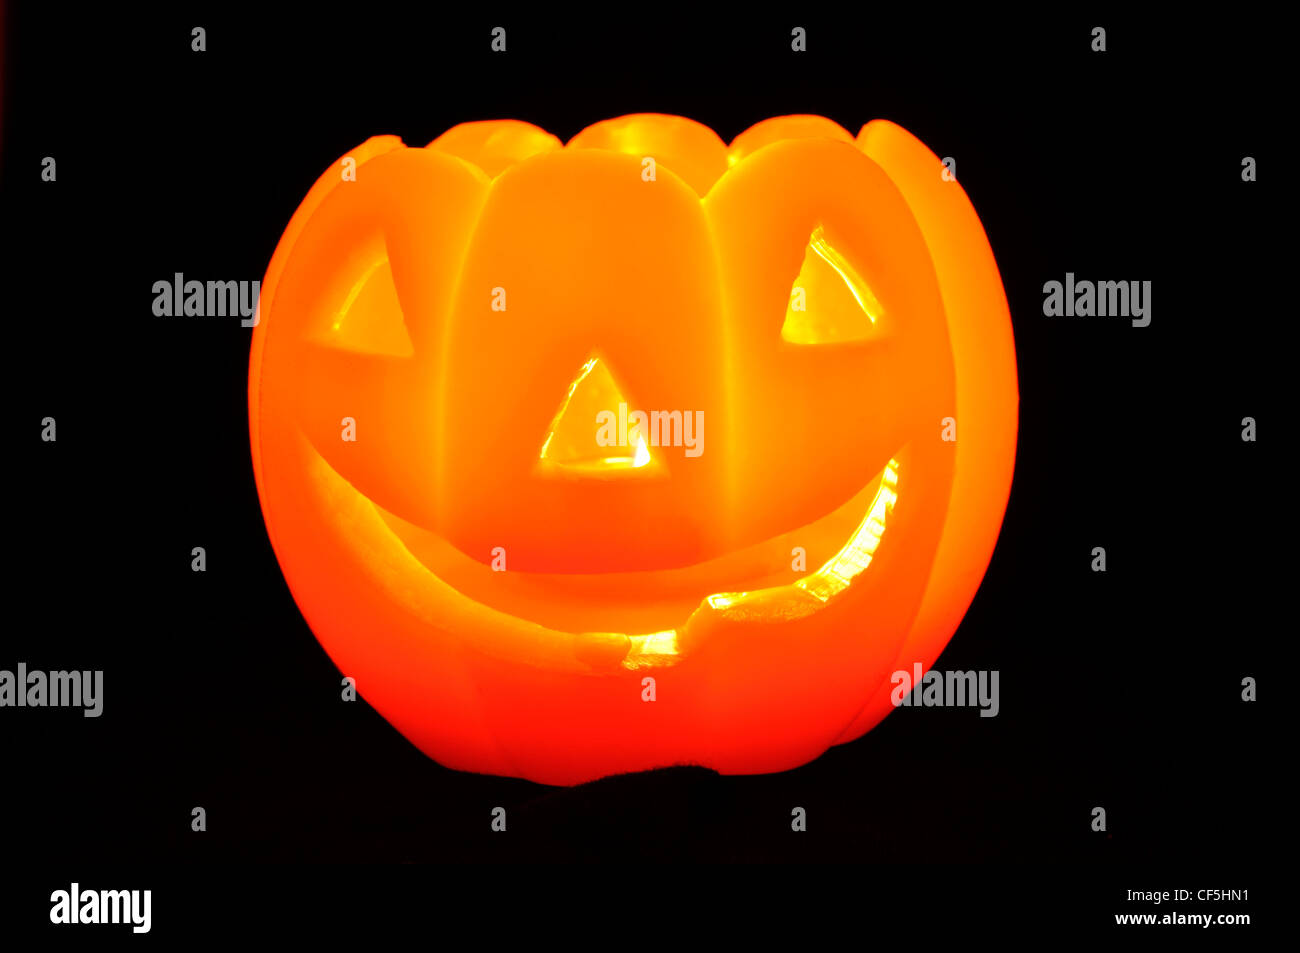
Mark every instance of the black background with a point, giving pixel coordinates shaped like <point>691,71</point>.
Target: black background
<point>1119,689</point>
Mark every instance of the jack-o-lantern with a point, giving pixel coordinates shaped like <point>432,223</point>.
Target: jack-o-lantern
<point>634,451</point>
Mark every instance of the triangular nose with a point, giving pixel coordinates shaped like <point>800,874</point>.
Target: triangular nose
<point>591,432</point>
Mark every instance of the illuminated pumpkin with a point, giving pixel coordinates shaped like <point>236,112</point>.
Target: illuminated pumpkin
<point>528,579</point>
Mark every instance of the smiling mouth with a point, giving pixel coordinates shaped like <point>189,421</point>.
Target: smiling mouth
<point>757,581</point>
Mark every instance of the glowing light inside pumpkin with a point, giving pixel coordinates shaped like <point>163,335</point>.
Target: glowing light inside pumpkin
<point>355,292</point>
<point>660,648</point>
<point>571,443</point>
<point>825,315</point>
<point>652,651</point>
<point>722,600</point>
<point>852,560</point>
<point>369,318</point>
<point>855,557</point>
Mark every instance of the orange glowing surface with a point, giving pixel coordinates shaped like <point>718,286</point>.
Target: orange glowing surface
<point>534,422</point>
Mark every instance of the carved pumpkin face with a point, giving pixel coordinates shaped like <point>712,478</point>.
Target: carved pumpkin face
<point>534,423</point>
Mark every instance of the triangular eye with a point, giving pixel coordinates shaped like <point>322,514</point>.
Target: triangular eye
<point>593,431</point>
<point>369,318</point>
<point>830,302</point>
